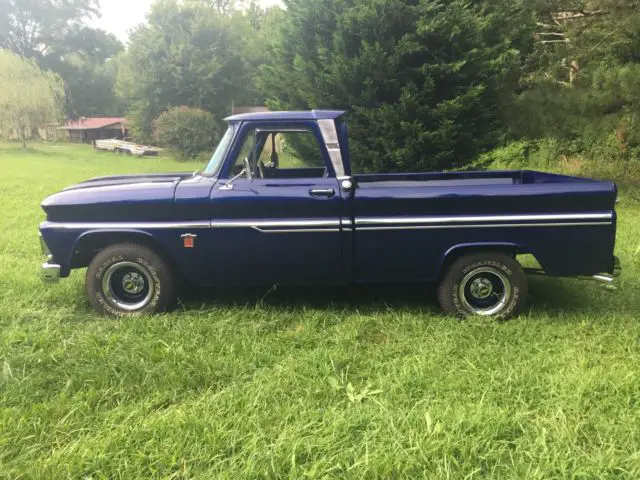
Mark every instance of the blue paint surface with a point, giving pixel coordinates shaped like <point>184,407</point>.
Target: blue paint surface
<point>394,227</point>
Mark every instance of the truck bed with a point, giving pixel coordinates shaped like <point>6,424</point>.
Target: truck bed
<point>548,215</point>
<point>490,192</point>
<point>504,177</point>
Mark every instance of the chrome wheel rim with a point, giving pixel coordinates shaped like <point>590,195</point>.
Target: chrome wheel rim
<point>485,291</point>
<point>128,285</point>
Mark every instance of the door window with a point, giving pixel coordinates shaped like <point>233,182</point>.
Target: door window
<point>282,154</point>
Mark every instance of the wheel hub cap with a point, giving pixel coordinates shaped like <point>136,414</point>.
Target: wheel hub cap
<point>133,283</point>
<point>481,288</point>
<point>128,286</point>
<point>485,291</point>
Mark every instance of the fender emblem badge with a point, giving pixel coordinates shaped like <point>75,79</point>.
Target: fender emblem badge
<point>189,240</point>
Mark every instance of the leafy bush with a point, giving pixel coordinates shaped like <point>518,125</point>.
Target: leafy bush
<point>512,155</point>
<point>604,159</point>
<point>186,131</point>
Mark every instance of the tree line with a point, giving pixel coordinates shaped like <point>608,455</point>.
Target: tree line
<point>429,84</point>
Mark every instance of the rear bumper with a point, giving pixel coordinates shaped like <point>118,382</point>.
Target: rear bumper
<point>609,279</point>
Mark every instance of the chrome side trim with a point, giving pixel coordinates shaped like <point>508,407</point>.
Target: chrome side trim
<point>298,230</point>
<point>487,225</point>
<point>257,224</point>
<point>262,224</point>
<point>481,218</point>
<point>365,223</point>
<point>129,225</point>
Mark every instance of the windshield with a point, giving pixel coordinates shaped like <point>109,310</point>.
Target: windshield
<point>213,168</point>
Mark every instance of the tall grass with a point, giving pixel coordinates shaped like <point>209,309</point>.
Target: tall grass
<point>320,383</point>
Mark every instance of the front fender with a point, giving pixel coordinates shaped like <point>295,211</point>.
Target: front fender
<point>75,248</point>
<point>90,241</point>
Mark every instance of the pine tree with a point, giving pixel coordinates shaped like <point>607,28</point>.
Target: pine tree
<point>425,81</point>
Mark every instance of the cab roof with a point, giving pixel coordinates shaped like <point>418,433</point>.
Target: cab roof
<point>283,116</point>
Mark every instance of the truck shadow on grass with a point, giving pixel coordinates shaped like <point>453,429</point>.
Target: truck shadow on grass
<point>547,296</point>
<point>364,299</point>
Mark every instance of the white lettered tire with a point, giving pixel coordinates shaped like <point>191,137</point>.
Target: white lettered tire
<point>490,284</point>
<point>129,279</point>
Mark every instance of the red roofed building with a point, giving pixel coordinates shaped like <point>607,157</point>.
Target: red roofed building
<point>86,130</point>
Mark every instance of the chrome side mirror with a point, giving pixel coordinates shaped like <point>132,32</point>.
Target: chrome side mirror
<point>246,171</point>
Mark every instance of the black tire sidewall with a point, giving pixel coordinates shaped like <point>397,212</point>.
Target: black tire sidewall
<point>448,291</point>
<point>160,276</point>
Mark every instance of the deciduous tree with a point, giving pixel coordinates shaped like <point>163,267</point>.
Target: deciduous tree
<point>187,54</point>
<point>29,96</point>
<point>30,27</point>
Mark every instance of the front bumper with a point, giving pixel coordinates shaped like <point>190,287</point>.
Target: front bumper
<point>49,272</point>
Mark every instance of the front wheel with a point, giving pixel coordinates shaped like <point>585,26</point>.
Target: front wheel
<point>129,279</point>
<point>488,284</point>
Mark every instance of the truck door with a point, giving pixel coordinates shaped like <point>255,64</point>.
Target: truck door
<point>282,225</point>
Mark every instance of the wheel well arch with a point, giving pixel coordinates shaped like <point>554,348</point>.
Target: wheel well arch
<point>458,251</point>
<point>90,243</point>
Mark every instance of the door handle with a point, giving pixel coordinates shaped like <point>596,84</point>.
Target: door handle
<point>322,192</point>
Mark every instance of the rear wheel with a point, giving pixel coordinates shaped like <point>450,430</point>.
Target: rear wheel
<point>129,279</point>
<point>488,284</point>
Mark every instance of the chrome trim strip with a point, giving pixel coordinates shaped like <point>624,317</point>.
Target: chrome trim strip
<point>262,224</point>
<point>480,218</point>
<point>487,225</point>
<point>367,223</point>
<point>129,225</point>
<point>259,224</point>
<point>298,230</point>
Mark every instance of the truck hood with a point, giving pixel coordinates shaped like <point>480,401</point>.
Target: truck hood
<point>130,179</point>
<point>124,197</point>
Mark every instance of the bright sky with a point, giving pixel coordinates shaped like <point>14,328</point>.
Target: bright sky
<point>120,16</point>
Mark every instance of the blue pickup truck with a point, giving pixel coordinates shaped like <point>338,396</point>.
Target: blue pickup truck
<point>278,204</point>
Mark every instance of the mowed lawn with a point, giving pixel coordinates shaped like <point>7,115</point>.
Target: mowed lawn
<point>331,383</point>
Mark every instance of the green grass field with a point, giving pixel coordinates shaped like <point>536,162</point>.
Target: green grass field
<point>335,383</point>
